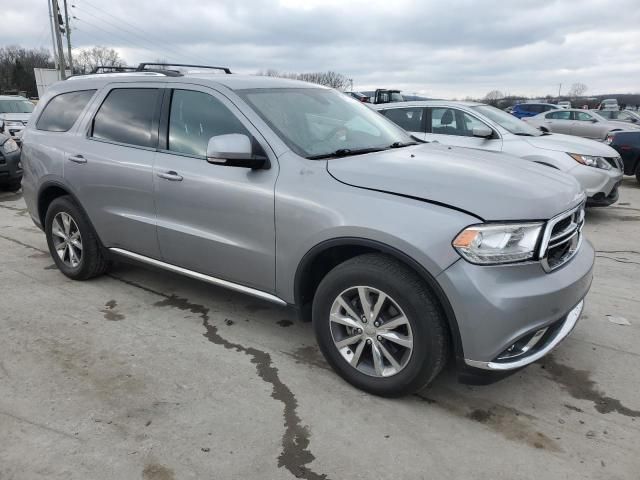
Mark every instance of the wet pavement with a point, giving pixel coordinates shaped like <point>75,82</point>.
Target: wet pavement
<point>143,374</point>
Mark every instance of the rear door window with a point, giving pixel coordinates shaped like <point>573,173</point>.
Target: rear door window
<point>63,110</point>
<point>127,116</point>
<point>559,115</point>
<point>411,119</point>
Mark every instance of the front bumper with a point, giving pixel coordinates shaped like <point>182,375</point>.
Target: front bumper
<point>597,182</point>
<point>10,168</point>
<point>497,307</point>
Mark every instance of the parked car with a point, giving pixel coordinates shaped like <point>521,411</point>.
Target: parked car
<point>628,145</point>
<point>523,110</point>
<point>619,115</point>
<point>403,254</point>
<point>15,111</point>
<point>587,124</point>
<point>10,166</point>
<point>564,104</point>
<point>597,167</point>
<point>358,96</point>
<point>609,104</point>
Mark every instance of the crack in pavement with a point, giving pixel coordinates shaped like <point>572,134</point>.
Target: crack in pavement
<point>295,453</point>
<point>619,260</point>
<point>39,425</point>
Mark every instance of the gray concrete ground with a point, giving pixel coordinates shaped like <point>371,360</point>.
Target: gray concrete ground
<point>145,374</point>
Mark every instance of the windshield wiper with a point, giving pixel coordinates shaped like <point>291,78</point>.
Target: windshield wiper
<point>346,152</point>
<point>400,144</point>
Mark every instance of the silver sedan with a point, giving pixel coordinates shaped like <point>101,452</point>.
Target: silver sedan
<point>582,123</point>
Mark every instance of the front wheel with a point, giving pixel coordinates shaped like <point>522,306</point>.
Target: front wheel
<point>379,326</point>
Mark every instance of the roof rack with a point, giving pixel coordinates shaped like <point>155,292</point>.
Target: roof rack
<point>143,67</point>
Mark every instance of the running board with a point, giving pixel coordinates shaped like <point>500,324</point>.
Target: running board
<point>200,276</point>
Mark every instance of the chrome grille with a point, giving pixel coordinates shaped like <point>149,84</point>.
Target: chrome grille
<point>562,238</point>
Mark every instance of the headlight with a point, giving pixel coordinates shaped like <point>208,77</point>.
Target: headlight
<point>591,161</point>
<point>10,146</point>
<point>11,123</point>
<point>488,244</point>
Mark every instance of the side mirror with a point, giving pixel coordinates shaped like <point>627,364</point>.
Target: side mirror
<point>593,120</point>
<point>482,132</point>
<point>234,150</point>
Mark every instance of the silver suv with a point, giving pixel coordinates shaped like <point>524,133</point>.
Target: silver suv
<point>404,255</point>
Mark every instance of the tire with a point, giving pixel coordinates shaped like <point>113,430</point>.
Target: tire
<point>12,186</point>
<point>406,294</point>
<point>91,260</point>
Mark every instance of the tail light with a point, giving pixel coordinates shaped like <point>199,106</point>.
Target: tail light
<point>609,139</point>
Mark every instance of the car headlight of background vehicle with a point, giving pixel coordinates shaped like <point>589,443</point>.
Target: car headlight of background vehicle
<point>12,123</point>
<point>10,146</point>
<point>591,161</point>
<point>496,243</point>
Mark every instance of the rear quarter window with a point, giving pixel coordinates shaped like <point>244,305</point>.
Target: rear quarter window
<point>63,110</point>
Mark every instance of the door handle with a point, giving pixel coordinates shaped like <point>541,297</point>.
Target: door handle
<point>170,175</point>
<point>77,159</point>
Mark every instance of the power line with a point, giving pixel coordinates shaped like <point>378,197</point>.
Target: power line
<point>137,32</point>
<point>111,33</point>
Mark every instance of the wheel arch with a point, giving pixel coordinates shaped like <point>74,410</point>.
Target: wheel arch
<point>320,259</point>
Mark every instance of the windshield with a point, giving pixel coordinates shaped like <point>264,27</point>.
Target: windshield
<point>16,106</point>
<point>507,121</point>
<point>317,122</point>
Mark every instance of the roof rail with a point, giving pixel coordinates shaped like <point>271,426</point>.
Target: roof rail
<point>143,67</point>
<point>111,69</point>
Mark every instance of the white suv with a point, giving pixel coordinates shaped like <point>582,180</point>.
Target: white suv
<point>595,165</point>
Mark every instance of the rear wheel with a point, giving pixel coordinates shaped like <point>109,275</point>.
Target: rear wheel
<point>379,326</point>
<point>73,244</point>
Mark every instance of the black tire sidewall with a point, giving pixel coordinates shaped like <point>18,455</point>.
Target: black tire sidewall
<point>89,247</point>
<point>427,329</point>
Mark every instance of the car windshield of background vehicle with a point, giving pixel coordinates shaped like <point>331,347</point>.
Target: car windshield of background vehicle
<point>316,123</point>
<point>507,121</point>
<point>16,106</point>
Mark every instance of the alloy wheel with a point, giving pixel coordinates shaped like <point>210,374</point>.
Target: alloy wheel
<point>371,331</point>
<point>67,240</point>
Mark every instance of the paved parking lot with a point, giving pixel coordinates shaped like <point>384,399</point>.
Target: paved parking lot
<point>145,374</point>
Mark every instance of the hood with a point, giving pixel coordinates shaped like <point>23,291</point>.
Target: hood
<point>491,186</point>
<point>571,144</point>
<point>15,116</point>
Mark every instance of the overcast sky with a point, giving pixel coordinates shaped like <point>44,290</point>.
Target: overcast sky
<point>438,48</point>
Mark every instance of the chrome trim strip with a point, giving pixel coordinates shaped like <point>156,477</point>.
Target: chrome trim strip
<point>200,276</point>
<point>570,322</point>
<point>547,239</point>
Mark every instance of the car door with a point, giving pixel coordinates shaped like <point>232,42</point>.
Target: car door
<point>452,126</point>
<point>586,125</point>
<point>110,166</point>
<point>558,121</point>
<point>412,119</point>
<point>213,219</point>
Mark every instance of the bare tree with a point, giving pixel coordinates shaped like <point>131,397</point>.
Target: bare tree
<point>578,89</point>
<point>16,68</point>
<point>87,59</point>
<point>328,79</point>
<point>493,97</point>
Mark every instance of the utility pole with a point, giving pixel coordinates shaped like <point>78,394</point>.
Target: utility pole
<point>53,37</point>
<point>56,18</point>
<point>68,35</point>
<point>559,90</point>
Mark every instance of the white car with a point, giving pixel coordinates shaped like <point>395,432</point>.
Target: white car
<point>595,165</point>
<point>15,111</point>
<point>564,104</point>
